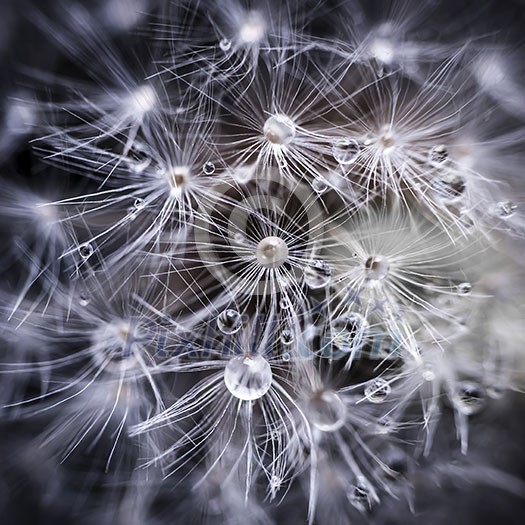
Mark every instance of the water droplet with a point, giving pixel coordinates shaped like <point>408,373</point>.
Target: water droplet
<point>279,129</point>
<point>139,203</point>
<point>319,185</point>
<point>506,209</point>
<point>239,238</point>
<point>450,186</point>
<point>85,250</point>
<point>326,411</point>
<point>285,303</point>
<point>271,252</point>
<point>428,373</point>
<point>438,155</point>
<point>286,356</point>
<point>377,390</point>
<point>317,274</point>
<point>287,336</point>
<point>345,151</point>
<point>495,391</point>
<point>464,288</point>
<point>84,298</point>
<point>469,397</point>
<point>359,496</point>
<point>225,44</point>
<point>248,377</point>
<point>377,268</point>
<point>275,482</point>
<point>229,322</point>
<point>208,168</point>
<point>349,331</point>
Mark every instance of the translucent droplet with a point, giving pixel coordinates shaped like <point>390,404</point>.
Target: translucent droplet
<point>428,373</point>
<point>208,168</point>
<point>345,151</point>
<point>286,356</point>
<point>506,209</point>
<point>248,377</point>
<point>85,250</point>
<point>359,496</point>
<point>377,268</point>
<point>225,44</point>
<point>287,336</point>
<point>377,390</point>
<point>239,238</point>
<point>395,462</point>
<point>349,331</point>
<point>285,303</point>
<point>279,129</point>
<point>275,482</point>
<point>326,411</point>
<point>317,274</point>
<point>271,252</point>
<point>229,322</point>
<point>469,397</point>
<point>139,203</point>
<point>464,288</point>
<point>319,185</point>
<point>450,186</point>
<point>84,298</point>
<point>138,158</point>
<point>438,155</point>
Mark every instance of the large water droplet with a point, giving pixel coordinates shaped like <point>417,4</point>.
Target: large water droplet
<point>248,377</point>
<point>287,336</point>
<point>345,151</point>
<point>319,185</point>
<point>139,203</point>
<point>271,252</point>
<point>279,129</point>
<point>326,411</point>
<point>229,322</point>
<point>377,390</point>
<point>450,186</point>
<point>84,298</point>
<point>469,398</point>
<point>317,274</point>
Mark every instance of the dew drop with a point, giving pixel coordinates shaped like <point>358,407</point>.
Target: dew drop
<point>208,168</point>
<point>450,186</point>
<point>326,411</point>
<point>248,377</point>
<point>359,496</point>
<point>287,336</point>
<point>345,151</point>
<point>317,274</point>
<point>239,238</point>
<point>271,252</point>
<point>225,44</point>
<point>349,331</point>
<point>469,397</point>
<point>319,185</point>
<point>506,209</point>
<point>464,288</point>
<point>229,322</point>
<point>85,250</point>
<point>377,268</point>
<point>377,390</point>
<point>286,357</point>
<point>279,129</point>
<point>139,203</point>
<point>84,298</point>
<point>438,155</point>
<point>285,303</point>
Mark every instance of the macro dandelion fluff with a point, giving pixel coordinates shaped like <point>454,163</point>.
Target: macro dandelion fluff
<point>262,262</point>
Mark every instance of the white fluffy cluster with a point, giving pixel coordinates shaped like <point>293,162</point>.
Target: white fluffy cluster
<point>270,245</point>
